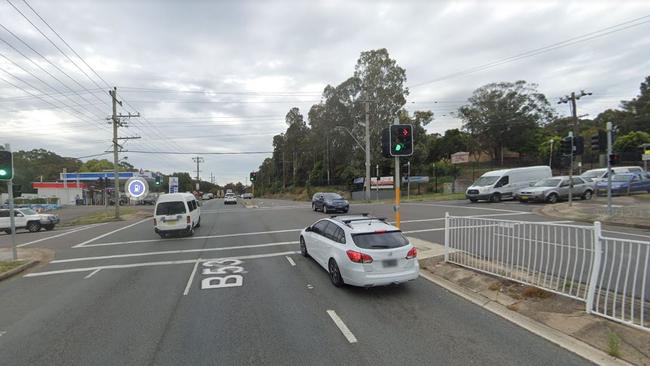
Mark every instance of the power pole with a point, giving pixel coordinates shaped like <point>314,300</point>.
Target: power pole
<point>12,217</point>
<point>367,180</point>
<point>609,168</point>
<point>284,173</point>
<point>566,99</point>
<point>198,160</point>
<point>115,120</point>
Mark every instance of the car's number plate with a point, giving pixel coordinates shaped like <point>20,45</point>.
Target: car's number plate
<point>389,263</point>
<point>523,198</point>
<point>170,221</point>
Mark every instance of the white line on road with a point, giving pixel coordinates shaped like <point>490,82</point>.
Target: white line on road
<point>150,264</point>
<point>67,232</point>
<point>462,207</point>
<point>92,273</point>
<point>189,281</point>
<point>622,233</point>
<point>478,226</point>
<point>193,238</point>
<point>342,327</point>
<point>291,262</point>
<point>179,251</point>
<point>110,232</point>
<point>486,215</point>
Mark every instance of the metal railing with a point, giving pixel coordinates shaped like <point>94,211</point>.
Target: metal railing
<point>610,275</point>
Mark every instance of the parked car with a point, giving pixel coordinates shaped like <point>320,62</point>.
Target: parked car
<point>207,196</point>
<point>230,199</point>
<point>502,184</point>
<point>247,196</point>
<point>329,202</point>
<point>597,175</point>
<point>553,189</point>
<point>26,218</point>
<point>176,213</point>
<point>149,199</point>
<point>625,183</point>
<point>360,251</point>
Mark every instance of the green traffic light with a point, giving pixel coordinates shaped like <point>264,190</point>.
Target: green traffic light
<point>398,147</point>
<point>3,172</point>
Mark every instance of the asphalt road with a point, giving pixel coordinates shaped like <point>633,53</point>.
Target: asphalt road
<point>118,294</point>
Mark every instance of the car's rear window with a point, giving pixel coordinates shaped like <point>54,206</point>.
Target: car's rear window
<point>170,208</point>
<point>380,240</point>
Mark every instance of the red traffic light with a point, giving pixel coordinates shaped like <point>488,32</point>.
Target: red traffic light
<point>405,132</point>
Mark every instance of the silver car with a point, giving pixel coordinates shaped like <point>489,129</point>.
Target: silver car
<point>554,189</point>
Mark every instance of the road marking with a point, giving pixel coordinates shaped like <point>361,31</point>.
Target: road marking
<point>179,251</point>
<point>291,262</point>
<point>92,273</point>
<point>342,327</point>
<point>150,264</point>
<point>622,233</point>
<point>488,225</point>
<point>2,332</point>
<point>189,281</point>
<point>463,207</point>
<point>110,232</point>
<point>193,237</point>
<point>66,232</point>
<point>486,215</point>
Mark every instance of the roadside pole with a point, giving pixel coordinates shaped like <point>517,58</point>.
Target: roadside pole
<point>571,171</point>
<point>116,176</point>
<point>367,180</point>
<point>397,181</point>
<point>377,183</point>
<point>12,215</point>
<point>408,182</point>
<point>609,168</point>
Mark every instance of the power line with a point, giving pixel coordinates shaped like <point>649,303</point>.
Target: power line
<point>127,89</point>
<point>570,41</point>
<point>197,153</point>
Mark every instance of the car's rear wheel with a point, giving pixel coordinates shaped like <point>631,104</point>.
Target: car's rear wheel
<point>552,198</point>
<point>325,210</point>
<point>198,224</point>
<point>335,274</point>
<point>587,195</point>
<point>190,231</point>
<point>313,207</point>
<point>303,248</point>
<point>162,235</point>
<point>49,227</point>
<point>34,226</point>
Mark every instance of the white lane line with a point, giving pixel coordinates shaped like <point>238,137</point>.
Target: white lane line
<point>110,232</point>
<point>291,262</point>
<point>67,232</point>
<point>150,264</point>
<point>622,233</point>
<point>463,207</point>
<point>472,216</point>
<point>92,273</point>
<point>179,251</point>
<point>478,226</point>
<point>193,238</point>
<point>342,327</point>
<point>189,281</point>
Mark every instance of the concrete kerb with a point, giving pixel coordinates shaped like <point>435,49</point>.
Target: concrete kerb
<point>552,335</point>
<point>17,270</point>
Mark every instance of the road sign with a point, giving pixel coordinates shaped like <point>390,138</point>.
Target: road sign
<point>173,184</point>
<point>416,179</point>
<point>136,187</point>
<point>645,157</point>
<point>460,157</point>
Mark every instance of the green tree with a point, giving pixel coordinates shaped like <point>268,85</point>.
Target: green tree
<point>96,165</point>
<point>506,115</point>
<point>631,142</point>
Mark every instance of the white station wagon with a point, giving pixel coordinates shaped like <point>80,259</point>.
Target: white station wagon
<point>360,250</point>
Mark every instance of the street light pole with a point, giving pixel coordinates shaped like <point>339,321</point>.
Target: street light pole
<point>367,150</point>
<point>550,154</point>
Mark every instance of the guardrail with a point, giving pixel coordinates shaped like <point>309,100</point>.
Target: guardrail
<point>612,276</point>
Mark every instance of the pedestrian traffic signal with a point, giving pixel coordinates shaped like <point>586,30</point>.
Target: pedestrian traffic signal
<point>599,142</point>
<point>253,176</point>
<point>6,165</point>
<point>614,159</point>
<point>401,140</point>
<point>566,146</point>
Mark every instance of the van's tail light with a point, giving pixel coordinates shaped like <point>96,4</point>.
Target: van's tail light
<point>155,222</point>
<point>412,253</point>
<point>358,257</point>
<point>188,220</point>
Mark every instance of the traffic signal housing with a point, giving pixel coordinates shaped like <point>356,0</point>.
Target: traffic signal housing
<point>599,142</point>
<point>565,146</point>
<point>385,143</point>
<point>578,145</point>
<point>253,176</point>
<point>6,165</point>
<point>401,140</point>
<point>614,159</point>
<point>158,180</point>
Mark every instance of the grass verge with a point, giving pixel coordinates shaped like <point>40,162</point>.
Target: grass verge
<point>9,265</point>
<point>99,217</point>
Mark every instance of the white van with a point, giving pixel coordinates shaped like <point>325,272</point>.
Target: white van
<point>176,213</point>
<point>500,184</point>
<point>596,175</point>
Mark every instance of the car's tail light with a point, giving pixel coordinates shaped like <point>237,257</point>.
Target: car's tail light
<point>358,257</point>
<point>154,222</point>
<point>188,220</point>
<point>412,253</point>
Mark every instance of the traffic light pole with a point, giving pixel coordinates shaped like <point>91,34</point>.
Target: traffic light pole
<point>571,171</point>
<point>397,181</point>
<point>609,168</point>
<point>12,215</point>
<point>367,180</point>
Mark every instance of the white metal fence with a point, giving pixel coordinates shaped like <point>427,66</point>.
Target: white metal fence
<point>610,275</point>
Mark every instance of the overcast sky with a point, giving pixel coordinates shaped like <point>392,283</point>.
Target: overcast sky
<point>257,59</point>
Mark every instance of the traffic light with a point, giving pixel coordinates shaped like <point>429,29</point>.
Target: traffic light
<point>599,142</point>
<point>17,190</point>
<point>578,145</point>
<point>385,143</point>
<point>401,140</point>
<point>614,159</point>
<point>253,176</point>
<point>158,180</point>
<point>565,146</point>
<point>6,165</point>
